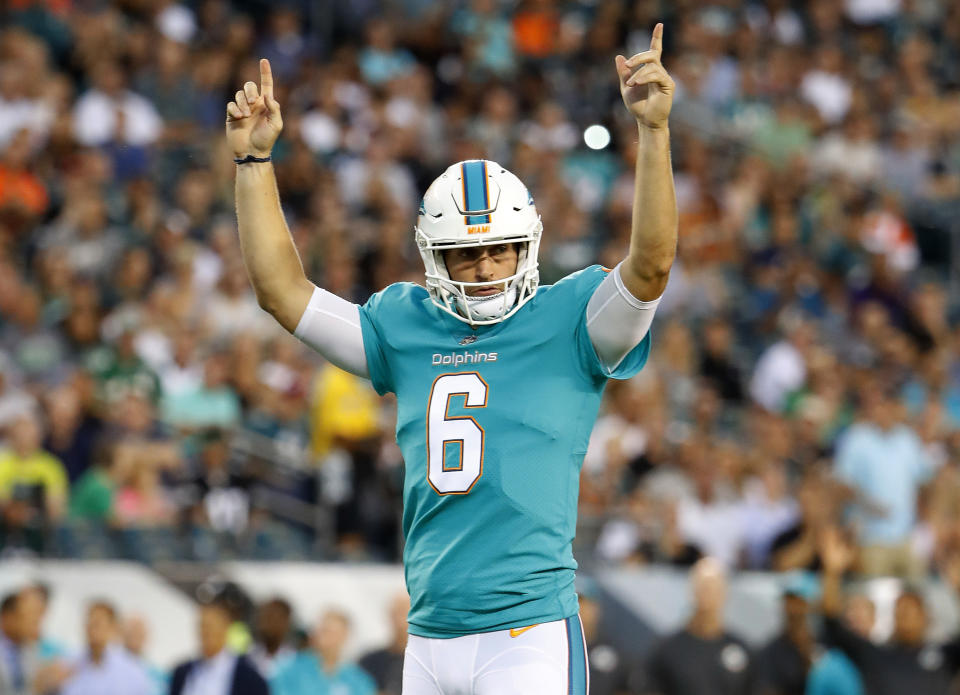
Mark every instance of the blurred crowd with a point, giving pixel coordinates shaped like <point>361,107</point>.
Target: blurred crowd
<point>804,371</point>
<point>829,641</point>
<point>244,649</point>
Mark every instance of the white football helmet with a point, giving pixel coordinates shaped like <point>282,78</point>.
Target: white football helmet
<point>478,203</point>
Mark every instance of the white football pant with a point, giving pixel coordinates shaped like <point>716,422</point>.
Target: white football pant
<point>545,659</point>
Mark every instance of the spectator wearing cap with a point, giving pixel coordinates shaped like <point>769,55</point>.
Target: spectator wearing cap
<point>106,668</point>
<point>386,664</point>
<point>703,658</point>
<point>907,663</point>
<point>323,669</point>
<point>783,664</point>
<point>885,464</point>
<point>218,670</point>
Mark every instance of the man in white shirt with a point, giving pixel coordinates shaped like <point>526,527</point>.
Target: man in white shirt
<point>106,668</point>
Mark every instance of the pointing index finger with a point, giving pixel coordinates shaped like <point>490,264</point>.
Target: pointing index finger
<point>656,39</point>
<point>266,79</point>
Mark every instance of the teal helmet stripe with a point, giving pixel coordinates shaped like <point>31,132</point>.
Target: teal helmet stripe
<point>475,193</point>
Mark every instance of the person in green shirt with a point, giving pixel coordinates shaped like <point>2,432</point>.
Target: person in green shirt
<point>93,495</point>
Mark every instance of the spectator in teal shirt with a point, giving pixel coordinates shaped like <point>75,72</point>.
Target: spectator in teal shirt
<point>322,671</point>
<point>832,673</point>
<point>212,404</point>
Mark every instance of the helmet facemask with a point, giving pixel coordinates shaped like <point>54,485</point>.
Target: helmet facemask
<point>452,295</point>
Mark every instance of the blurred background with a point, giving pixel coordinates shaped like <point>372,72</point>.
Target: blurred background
<point>161,433</point>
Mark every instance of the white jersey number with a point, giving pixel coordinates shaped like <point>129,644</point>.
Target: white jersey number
<point>456,476</point>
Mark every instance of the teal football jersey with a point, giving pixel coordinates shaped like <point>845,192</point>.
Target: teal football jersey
<point>493,423</point>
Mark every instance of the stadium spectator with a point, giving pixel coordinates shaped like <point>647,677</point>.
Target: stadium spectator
<point>718,364</point>
<point>13,676</point>
<point>385,665</point>
<point>106,668</point>
<point>93,495</point>
<point>134,633</point>
<point>219,498</point>
<point>884,462</point>
<point>782,367</point>
<point>807,184</point>
<point>784,663</point>
<point>218,670</point>
<point>33,485</point>
<point>832,673</point>
<point>274,623</point>
<point>14,402</point>
<point>702,658</point>
<point>27,663</point>
<point>33,602</point>
<point>72,431</point>
<point>111,113</point>
<point>797,547</point>
<point>140,500</point>
<point>23,197</point>
<point>322,666</point>
<point>211,403</point>
<point>711,520</point>
<point>907,663</point>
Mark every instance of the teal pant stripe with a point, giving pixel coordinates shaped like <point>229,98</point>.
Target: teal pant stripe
<point>577,658</point>
<point>475,193</point>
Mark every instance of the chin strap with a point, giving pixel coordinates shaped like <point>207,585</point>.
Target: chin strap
<point>486,308</point>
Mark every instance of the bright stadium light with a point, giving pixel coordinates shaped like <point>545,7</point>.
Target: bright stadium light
<point>597,137</point>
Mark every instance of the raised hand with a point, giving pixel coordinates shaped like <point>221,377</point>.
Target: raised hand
<point>253,118</point>
<point>645,86</point>
<point>835,553</point>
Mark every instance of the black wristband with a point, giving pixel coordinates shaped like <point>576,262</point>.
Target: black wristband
<point>250,158</point>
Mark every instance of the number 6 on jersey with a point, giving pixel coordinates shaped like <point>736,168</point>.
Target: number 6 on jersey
<point>442,429</point>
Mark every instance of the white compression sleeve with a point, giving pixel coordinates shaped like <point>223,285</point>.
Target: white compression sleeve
<point>616,320</point>
<point>331,326</point>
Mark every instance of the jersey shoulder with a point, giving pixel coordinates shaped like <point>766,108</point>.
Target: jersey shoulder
<point>396,296</point>
<point>386,320</point>
<point>578,286</point>
<point>398,305</point>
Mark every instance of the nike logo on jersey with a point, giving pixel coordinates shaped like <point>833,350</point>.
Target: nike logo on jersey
<point>517,631</point>
<point>459,358</point>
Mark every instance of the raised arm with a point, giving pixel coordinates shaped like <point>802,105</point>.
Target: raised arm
<point>327,323</point>
<point>622,308</point>
<point>647,92</point>
<point>836,557</point>
<point>253,125</point>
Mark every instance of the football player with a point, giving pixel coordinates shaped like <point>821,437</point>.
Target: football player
<point>498,382</point>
